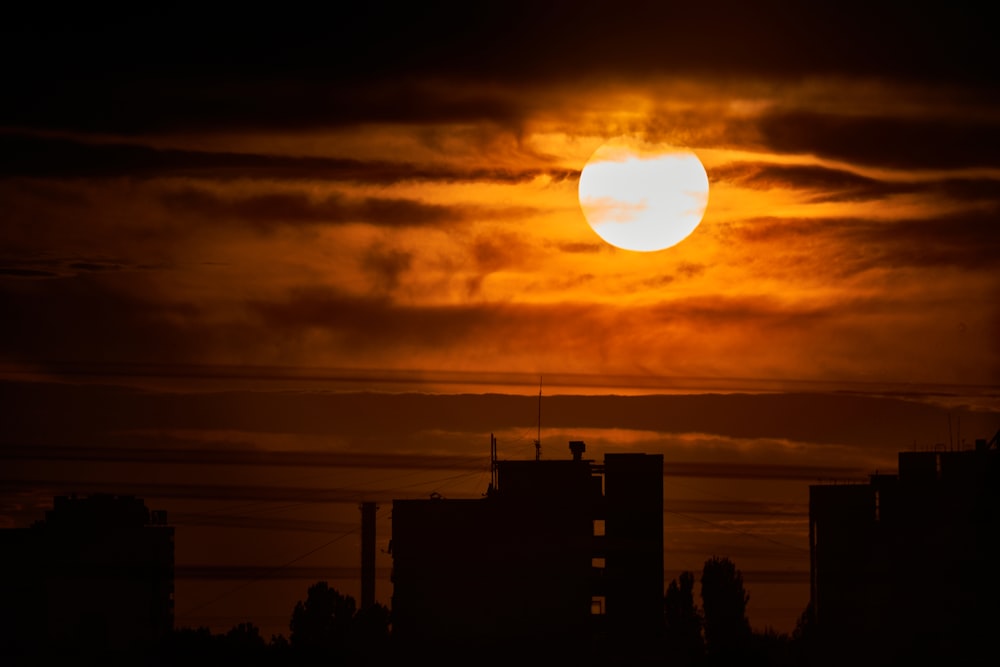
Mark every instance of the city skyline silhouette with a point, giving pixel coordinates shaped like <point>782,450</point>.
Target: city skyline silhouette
<point>260,272</point>
<point>559,557</point>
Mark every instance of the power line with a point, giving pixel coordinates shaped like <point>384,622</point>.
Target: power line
<point>269,572</point>
<point>736,530</point>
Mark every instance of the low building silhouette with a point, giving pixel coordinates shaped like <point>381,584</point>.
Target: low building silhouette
<point>560,555</point>
<point>96,576</point>
<point>906,565</point>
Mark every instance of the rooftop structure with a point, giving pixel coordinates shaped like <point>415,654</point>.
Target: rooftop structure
<point>97,575</point>
<point>559,554</point>
<point>908,562</point>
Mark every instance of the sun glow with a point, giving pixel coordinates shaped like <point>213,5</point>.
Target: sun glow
<point>643,197</point>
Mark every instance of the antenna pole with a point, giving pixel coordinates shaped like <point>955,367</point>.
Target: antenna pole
<point>493,461</point>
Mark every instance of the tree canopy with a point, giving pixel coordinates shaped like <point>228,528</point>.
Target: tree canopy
<point>724,603</point>
<point>682,622</point>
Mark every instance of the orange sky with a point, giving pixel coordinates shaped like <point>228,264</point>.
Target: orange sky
<point>461,246</point>
<point>415,216</point>
<point>389,203</point>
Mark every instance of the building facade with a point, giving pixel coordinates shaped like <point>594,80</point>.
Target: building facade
<point>97,575</point>
<point>905,566</point>
<point>565,555</point>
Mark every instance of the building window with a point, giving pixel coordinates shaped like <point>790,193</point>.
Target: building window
<point>598,563</point>
<point>597,607</point>
<point>878,506</point>
<point>599,527</point>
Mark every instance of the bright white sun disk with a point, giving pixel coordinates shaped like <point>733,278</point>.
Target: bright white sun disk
<point>643,197</point>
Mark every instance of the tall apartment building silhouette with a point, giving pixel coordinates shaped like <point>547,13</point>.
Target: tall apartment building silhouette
<point>97,575</point>
<point>905,566</point>
<point>560,555</point>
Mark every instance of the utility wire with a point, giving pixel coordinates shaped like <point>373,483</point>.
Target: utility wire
<point>737,530</point>
<point>268,573</point>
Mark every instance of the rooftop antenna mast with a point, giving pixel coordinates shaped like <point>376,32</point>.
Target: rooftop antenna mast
<point>538,440</point>
<point>493,462</point>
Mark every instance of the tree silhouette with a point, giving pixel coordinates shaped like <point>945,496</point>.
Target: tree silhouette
<point>329,628</point>
<point>245,636</point>
<point>772,648</point>
<point>245,645</point>
<point>370,632</point>
<point>803,637</point>
<point>682,622</point>
<point>321,625</point>
<point>724,602</point>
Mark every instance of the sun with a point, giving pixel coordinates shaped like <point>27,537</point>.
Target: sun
<point>642,196</point>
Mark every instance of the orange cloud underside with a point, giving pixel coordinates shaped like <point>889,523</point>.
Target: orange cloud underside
<point>463,247</point>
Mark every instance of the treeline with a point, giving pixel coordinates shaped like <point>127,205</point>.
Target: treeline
<point>327,628</point>
<point>719,631</point>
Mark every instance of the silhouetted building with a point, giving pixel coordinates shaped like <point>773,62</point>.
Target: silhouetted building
<point>906,565</point>
<point>97,575</point>
<point>564,555</point>
<point>368,510</point>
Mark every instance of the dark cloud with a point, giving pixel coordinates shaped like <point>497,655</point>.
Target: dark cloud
<point>397,461</point>
<point>271,210</point>
<point>229,492</point>
<point>748,507</point>
<point>244,456</point>
<point>839,185</point>
<point>99,316</point>
<point>658,281</point>
<point>742,507</point>
<point>55,267</point>
<point>496,252</point>
<point>966,240</point>
<point>690,269</point>
<point>92,415</point>
<point>386,266</point>
<point>45,157</point>
<point>15,272</point>
<point>259,521</point>
<point>118,316</point>
<point>274,572</point>
<point>581,247</point>
<point>120,75</point>
<point>94,266</point>
<point>771,330</point>
<point>885,141</point>
<point>829,184</point>
<point>375,323</point>
<point>967,189</point>
<point>148,106</point>
<point>49,225</point>
<point>372,325</point>
<point>761,471</point>
<point>963,240</point>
